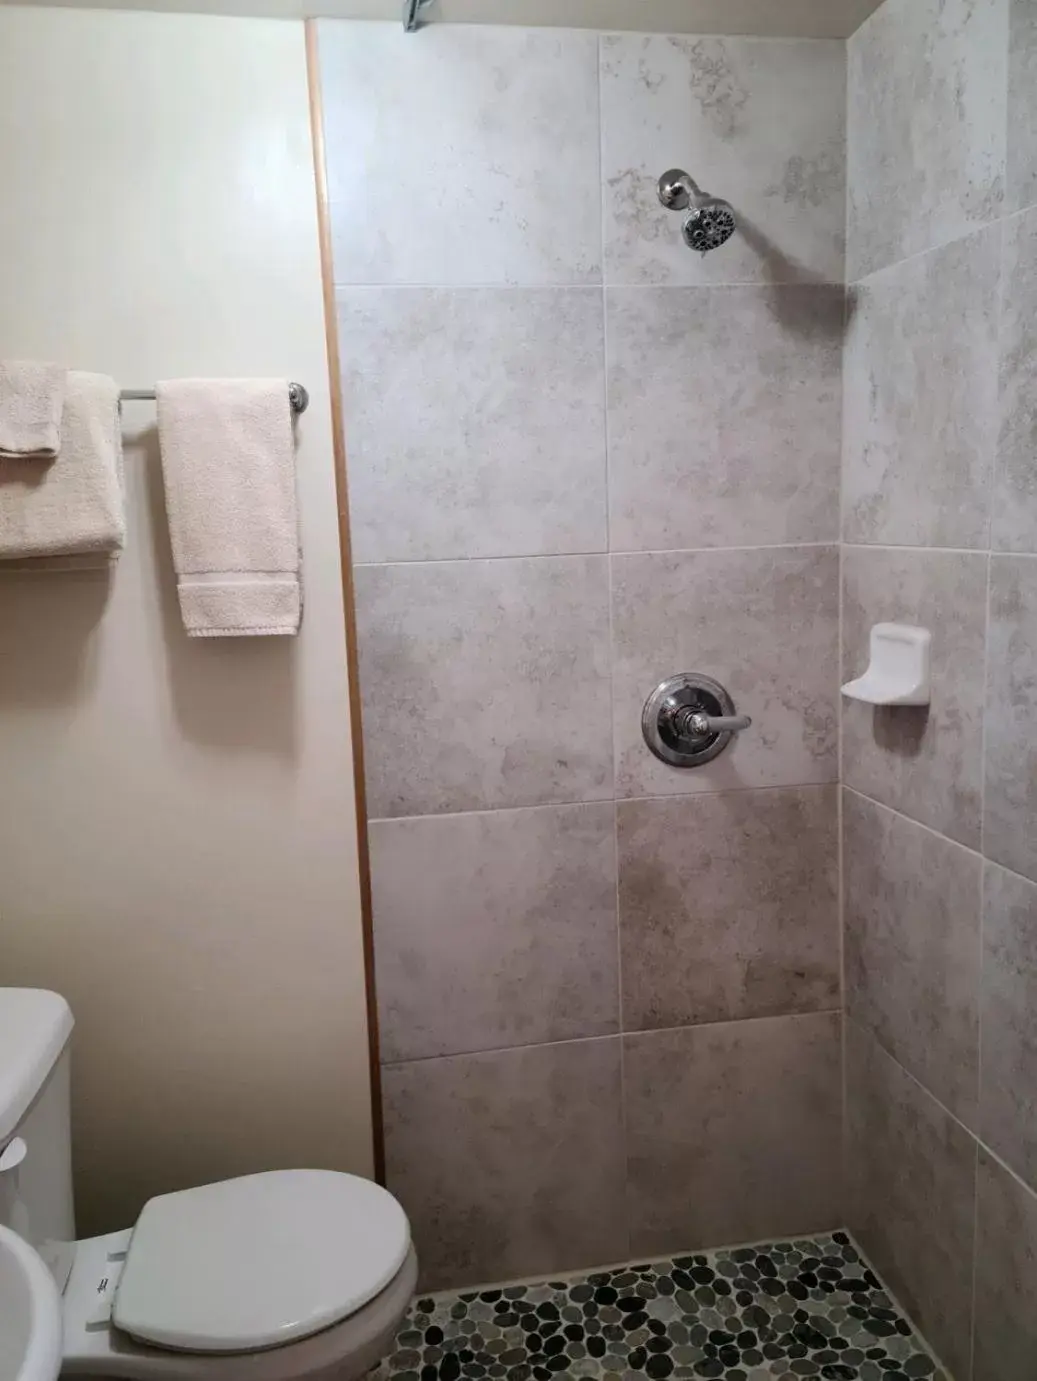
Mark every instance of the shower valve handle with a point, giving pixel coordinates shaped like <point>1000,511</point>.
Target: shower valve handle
<point>689,718</point>
<point>697,724</point>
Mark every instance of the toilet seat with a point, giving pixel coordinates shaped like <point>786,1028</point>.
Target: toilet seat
<point>258,1262</point>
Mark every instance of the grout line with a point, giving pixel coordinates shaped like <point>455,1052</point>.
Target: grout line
<point>654,1259</point>
<point>933,551</point>
<point>1016,215</point>
<point>592,286</point>
<point>615,801</point>
<point>983,1146</point>
<point>500,1050</point>
<point>844,1122</point>
<point>981,960</point>
<point>920,824</point>
<point>898,1304</point>
<point>576,555</point>
<point>974,231</point>
<point>975,1255</point>
<point>602,207</point>
<point>976,853</point>
<point>997,552</point>
<point>984,716</point>
<point>763,285</point>
<point>620,1036</point>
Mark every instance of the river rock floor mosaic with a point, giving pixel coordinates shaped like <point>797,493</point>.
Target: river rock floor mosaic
<point>780,1312</point>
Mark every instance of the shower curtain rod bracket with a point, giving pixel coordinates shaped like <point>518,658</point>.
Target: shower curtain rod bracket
<point>412,10</point>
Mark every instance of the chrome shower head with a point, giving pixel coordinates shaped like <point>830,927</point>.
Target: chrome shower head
<point>709,224</point>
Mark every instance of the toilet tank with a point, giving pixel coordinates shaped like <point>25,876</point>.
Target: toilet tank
<point>35,1133</point>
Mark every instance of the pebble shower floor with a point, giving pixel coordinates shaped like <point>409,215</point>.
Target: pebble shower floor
<point>806,1307</point>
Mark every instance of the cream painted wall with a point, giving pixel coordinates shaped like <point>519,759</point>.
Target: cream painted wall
<point>177,826</point>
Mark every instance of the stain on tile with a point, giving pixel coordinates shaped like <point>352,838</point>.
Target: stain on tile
<point>728,906</point>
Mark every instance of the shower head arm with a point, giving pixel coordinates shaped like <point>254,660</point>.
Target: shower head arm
<point>678,189</point>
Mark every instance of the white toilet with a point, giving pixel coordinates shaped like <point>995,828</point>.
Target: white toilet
<point>270,1277</point>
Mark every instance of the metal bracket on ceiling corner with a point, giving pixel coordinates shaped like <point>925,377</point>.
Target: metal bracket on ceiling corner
<point>412,11</point>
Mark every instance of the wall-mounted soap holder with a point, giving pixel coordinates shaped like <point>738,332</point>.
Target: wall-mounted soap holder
<point>898,673</point>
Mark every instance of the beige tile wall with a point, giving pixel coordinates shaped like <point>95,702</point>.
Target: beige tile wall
<point>940,805</point>
<point>583,459</point>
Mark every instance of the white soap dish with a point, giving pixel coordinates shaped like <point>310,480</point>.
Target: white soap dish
<point>898,673</point>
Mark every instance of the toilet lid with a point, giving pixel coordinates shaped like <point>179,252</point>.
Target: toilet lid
<point>259,1261</point>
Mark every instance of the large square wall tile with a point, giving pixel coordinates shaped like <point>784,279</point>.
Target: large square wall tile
<point>921,408</point>
<point>756,121</point>
<point>765,624</point>
<point>924,761</point>
<point>733,1132</point>
<point>1006,1277</point>
<point>484,683</point>
<point>494,929</point>
<point>911,1183</point>
<point>912,922</point>
<point>470,156</point>
<point>1008,1071</point>
<point>1010,799</point>
<point>724,416</point>
<point>728,906</point>
<point>509,1163</point>
<point>1014,523</point>
<point>1022,104</point>
<point>926,149</point>
<point>475,421</point>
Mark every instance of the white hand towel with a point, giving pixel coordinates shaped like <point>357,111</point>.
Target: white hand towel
<point>32,396</point>
<point>72,505</point>
<point>228,461</point>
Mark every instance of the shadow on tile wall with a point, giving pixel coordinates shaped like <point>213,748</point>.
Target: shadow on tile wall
<point>582,459</point>
<point>940,813</point>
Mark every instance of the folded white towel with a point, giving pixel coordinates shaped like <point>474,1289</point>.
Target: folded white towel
<point>72,505</point>
<point>228,460</point>
<point>32,396</point>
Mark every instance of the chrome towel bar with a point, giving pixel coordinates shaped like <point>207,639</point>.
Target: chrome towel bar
<point>297,396</point>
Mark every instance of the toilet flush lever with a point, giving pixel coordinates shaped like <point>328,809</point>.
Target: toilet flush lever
<point>13,1154</point>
